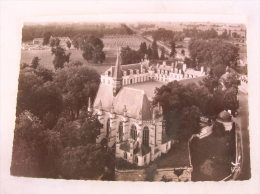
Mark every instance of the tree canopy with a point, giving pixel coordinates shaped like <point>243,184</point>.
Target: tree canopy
<point>60,56</point>
<point>77,84</point>
<point>92,48</point>
<point>213,52</point>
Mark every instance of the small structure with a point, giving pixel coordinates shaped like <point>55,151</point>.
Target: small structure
<point>225,118</point>
<point>37,41</point>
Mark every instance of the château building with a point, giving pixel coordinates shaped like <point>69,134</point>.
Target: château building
<point>124,106</point>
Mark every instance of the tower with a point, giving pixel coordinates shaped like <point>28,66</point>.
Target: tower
<point>117,77</point>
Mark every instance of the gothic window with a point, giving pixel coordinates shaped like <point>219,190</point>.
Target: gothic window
<point>144,159</point>
<point>133,132</point>
<point>120,131</point>
<point>125,155</point>
<point>108,128</point>
<point>136,160</point>
<point>146,136</point>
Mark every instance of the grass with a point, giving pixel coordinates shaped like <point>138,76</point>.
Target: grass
<point>46,58</point>
<point>211,158</point>
<point>177,157</point>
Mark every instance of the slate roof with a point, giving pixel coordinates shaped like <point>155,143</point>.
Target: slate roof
<point>105,95</point>
<point>136,101</point>
<point>137,104</point>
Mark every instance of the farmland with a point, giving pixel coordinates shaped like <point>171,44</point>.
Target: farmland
<point>133,41</point>
<point>111,43</point>
<point>46,58</point>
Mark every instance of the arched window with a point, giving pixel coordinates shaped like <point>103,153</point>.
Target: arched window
<point>136,160</point>
<point>146,136</point>
<point>108,128</point>
<point>120,131</point>
<point>133,132</point>
<point>125,155</point>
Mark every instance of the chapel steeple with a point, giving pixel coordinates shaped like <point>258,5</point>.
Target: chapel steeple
<point>117,77</point>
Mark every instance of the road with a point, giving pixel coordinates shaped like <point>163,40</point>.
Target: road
<point>242,121</point>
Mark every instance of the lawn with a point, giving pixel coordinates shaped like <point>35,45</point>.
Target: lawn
<point>211,157</point>
<point>46,58</point>
<point>177,157</point>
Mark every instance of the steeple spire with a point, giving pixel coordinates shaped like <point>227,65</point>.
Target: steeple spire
<point>117,77</point>
<point>118,71</point>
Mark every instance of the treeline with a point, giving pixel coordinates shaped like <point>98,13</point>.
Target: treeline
<point>55,135</point>
<point>163,34</point>
<point>29,32</point>
<point>151,52</point>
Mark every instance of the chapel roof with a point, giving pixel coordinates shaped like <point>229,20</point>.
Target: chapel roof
<point>135,100</point>
<point>105,96</point>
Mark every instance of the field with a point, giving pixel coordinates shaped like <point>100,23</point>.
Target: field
<point>133,41</point>
<point>46,58</point>
<point>111,43</point>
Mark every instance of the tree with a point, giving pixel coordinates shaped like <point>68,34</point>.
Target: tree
<point>52,42</point>
<point>143,49</point>
<point>232,80</point>
<point>189,122</point>
<point>51,149</point>
<point>183,52</point>
<point>225,35</point>
<point>45,74</point>
<point>37,94</point>
<point>213,52</point>
<point>46,38</point>
<point>57,42</point>
<point>163,34</point>
<point>75,63</point>
<point>189,62</point>
<point>77,84</point>
<point>162,54</point>
<point>218,70</point>
<point>130,56</point>
<point>154,48</point>
<point>68,43</point>
<point>173,49</point>
<point>92,49</point>
<point>169,96</point>
<point>211,83</point>
<point>149,53</point>
<point>91,165</point>
<point>26,150</point>
<point>60,57</point>
<point>216,103</point>
<point>35,62</point>
<point>230,99</point>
